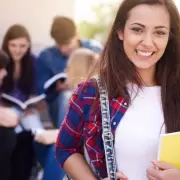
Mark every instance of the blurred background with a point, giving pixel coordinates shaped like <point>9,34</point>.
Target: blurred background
<point>93,17</point>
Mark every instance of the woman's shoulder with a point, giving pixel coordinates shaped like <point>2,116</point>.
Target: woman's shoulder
<point>87,89</point>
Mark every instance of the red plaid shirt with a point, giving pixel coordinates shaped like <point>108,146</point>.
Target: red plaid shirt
<point>82,126</point>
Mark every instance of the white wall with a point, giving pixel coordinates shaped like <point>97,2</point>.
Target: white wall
<point>36,15</point>
<point>177,3</point>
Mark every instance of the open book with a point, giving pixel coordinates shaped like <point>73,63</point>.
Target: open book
<point>60,76</point>
<point>169,149</point>
<point>23,105</point>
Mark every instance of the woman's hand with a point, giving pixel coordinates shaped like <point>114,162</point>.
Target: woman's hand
<point>119,176</point>
<point>163,171</point>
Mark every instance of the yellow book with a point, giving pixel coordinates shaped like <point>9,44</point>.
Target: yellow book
<point>169,149</point>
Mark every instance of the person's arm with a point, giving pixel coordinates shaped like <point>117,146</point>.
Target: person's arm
<point>8,117</point>
<point>69,144</point>
<point>43,71</point>
<point>163,171</point>
<point>77,168</point>
<point>84,172</point>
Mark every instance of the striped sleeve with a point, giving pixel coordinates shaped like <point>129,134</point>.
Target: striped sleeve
<point>69,140</point>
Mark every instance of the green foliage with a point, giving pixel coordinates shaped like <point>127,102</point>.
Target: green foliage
<point>99,26</point>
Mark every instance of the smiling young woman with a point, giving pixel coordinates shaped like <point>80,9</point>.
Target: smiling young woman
<point>140,68</point>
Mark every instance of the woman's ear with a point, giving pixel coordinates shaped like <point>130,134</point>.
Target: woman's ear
<point>120,35</point>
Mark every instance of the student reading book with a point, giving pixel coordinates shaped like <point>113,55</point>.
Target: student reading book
<point>169,149</point>
<point>20,83</point>
<point>54,59</point>
<point>48,86</point>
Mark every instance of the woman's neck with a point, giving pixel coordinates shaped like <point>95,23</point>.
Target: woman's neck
<point>17,70</point>
<point>148,76</point>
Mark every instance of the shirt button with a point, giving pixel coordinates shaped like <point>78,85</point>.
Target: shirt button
<point>114,123</point>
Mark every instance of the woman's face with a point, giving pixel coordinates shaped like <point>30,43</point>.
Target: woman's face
<point>18,48</point>
<point>145,36</point>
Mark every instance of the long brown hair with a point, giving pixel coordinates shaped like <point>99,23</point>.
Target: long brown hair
<point>26,80</point>
<point>116,70</point>
<point>4,59</point>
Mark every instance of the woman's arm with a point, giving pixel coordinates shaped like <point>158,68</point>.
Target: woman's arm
<point>69,144</point>
<point>77,168</point>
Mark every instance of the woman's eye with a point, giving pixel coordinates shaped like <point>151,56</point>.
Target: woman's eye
<point>160,33</point>
<point>137,30</point>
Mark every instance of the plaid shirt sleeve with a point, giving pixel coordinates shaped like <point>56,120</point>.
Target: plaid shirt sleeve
<point>69,140</point>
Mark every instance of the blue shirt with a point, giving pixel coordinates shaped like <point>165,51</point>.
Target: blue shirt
<point>51,61</point>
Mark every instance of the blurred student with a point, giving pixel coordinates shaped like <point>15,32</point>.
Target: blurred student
<point>20,83</point>
<point>53,60</point>
<point>8,120</point>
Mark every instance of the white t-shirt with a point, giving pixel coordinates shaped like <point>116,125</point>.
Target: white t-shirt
<point>137,135</point>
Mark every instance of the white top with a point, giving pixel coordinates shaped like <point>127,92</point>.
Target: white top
<point>137,135</point>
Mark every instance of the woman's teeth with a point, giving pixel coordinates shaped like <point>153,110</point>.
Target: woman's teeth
<point>146,54</point>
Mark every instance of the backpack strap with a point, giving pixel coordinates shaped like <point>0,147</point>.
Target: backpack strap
<point>107,135</point>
